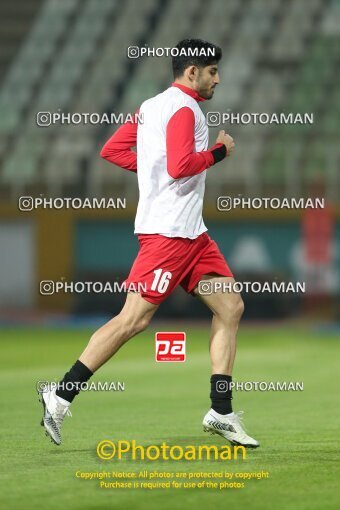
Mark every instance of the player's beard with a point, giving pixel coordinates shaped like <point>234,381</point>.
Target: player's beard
<point>205,88</point>
<point>207,92</point>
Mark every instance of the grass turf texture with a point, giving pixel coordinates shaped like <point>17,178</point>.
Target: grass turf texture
<point>298,431</point>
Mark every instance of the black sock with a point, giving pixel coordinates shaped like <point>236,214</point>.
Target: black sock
<point>220,393</point>
<point>78,374</point>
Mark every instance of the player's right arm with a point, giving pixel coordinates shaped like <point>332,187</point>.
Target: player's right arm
<point>182,160</point>
<point>227,140</point>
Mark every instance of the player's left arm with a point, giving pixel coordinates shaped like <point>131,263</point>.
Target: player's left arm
<point>118,149</point>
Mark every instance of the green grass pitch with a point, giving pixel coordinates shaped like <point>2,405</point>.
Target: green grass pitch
<point>298,431</point>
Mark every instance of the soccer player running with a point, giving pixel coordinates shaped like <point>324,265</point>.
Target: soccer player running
<point>171,163</point>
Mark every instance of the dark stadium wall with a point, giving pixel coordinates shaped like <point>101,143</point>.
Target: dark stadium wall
<point>91,245</point>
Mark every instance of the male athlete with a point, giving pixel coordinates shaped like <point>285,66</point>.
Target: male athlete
<point>171,163</point>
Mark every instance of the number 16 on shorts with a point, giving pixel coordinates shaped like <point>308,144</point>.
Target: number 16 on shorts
<point>170,346</point>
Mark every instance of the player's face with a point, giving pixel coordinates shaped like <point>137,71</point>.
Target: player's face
<point>207,80</point>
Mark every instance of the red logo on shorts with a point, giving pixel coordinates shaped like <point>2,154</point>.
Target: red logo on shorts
<point>170,346</point>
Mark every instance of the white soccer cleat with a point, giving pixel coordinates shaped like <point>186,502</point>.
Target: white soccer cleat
<point>230,427</point>
<point>55,410</point>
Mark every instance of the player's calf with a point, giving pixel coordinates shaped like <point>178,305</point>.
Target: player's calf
<point>105,342</point>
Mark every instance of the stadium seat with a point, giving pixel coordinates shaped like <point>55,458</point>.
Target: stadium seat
<point>277,57</point>
<point>20,169</point>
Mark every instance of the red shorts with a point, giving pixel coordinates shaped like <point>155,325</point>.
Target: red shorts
<point>163,263</point>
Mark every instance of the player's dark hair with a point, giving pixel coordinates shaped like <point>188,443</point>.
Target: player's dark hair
<point>194,52</point>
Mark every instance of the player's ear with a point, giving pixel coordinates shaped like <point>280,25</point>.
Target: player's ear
<point>192,73</point>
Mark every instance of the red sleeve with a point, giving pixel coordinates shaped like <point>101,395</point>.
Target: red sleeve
<point>182,161</point>
<point>117,149</point>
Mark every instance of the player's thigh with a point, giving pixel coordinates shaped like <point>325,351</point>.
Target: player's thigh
<point>219,295</point>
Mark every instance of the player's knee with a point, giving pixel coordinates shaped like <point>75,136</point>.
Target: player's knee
<point>236,308</point>
<point>134,325</point>
<point>232,310</point>
<point>239,308</point>
<point>142,324</point>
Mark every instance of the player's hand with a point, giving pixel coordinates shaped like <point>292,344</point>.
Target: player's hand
<point>227,140</point>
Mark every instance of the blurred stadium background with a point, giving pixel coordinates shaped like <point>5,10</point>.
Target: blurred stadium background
<point>71,56</point>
